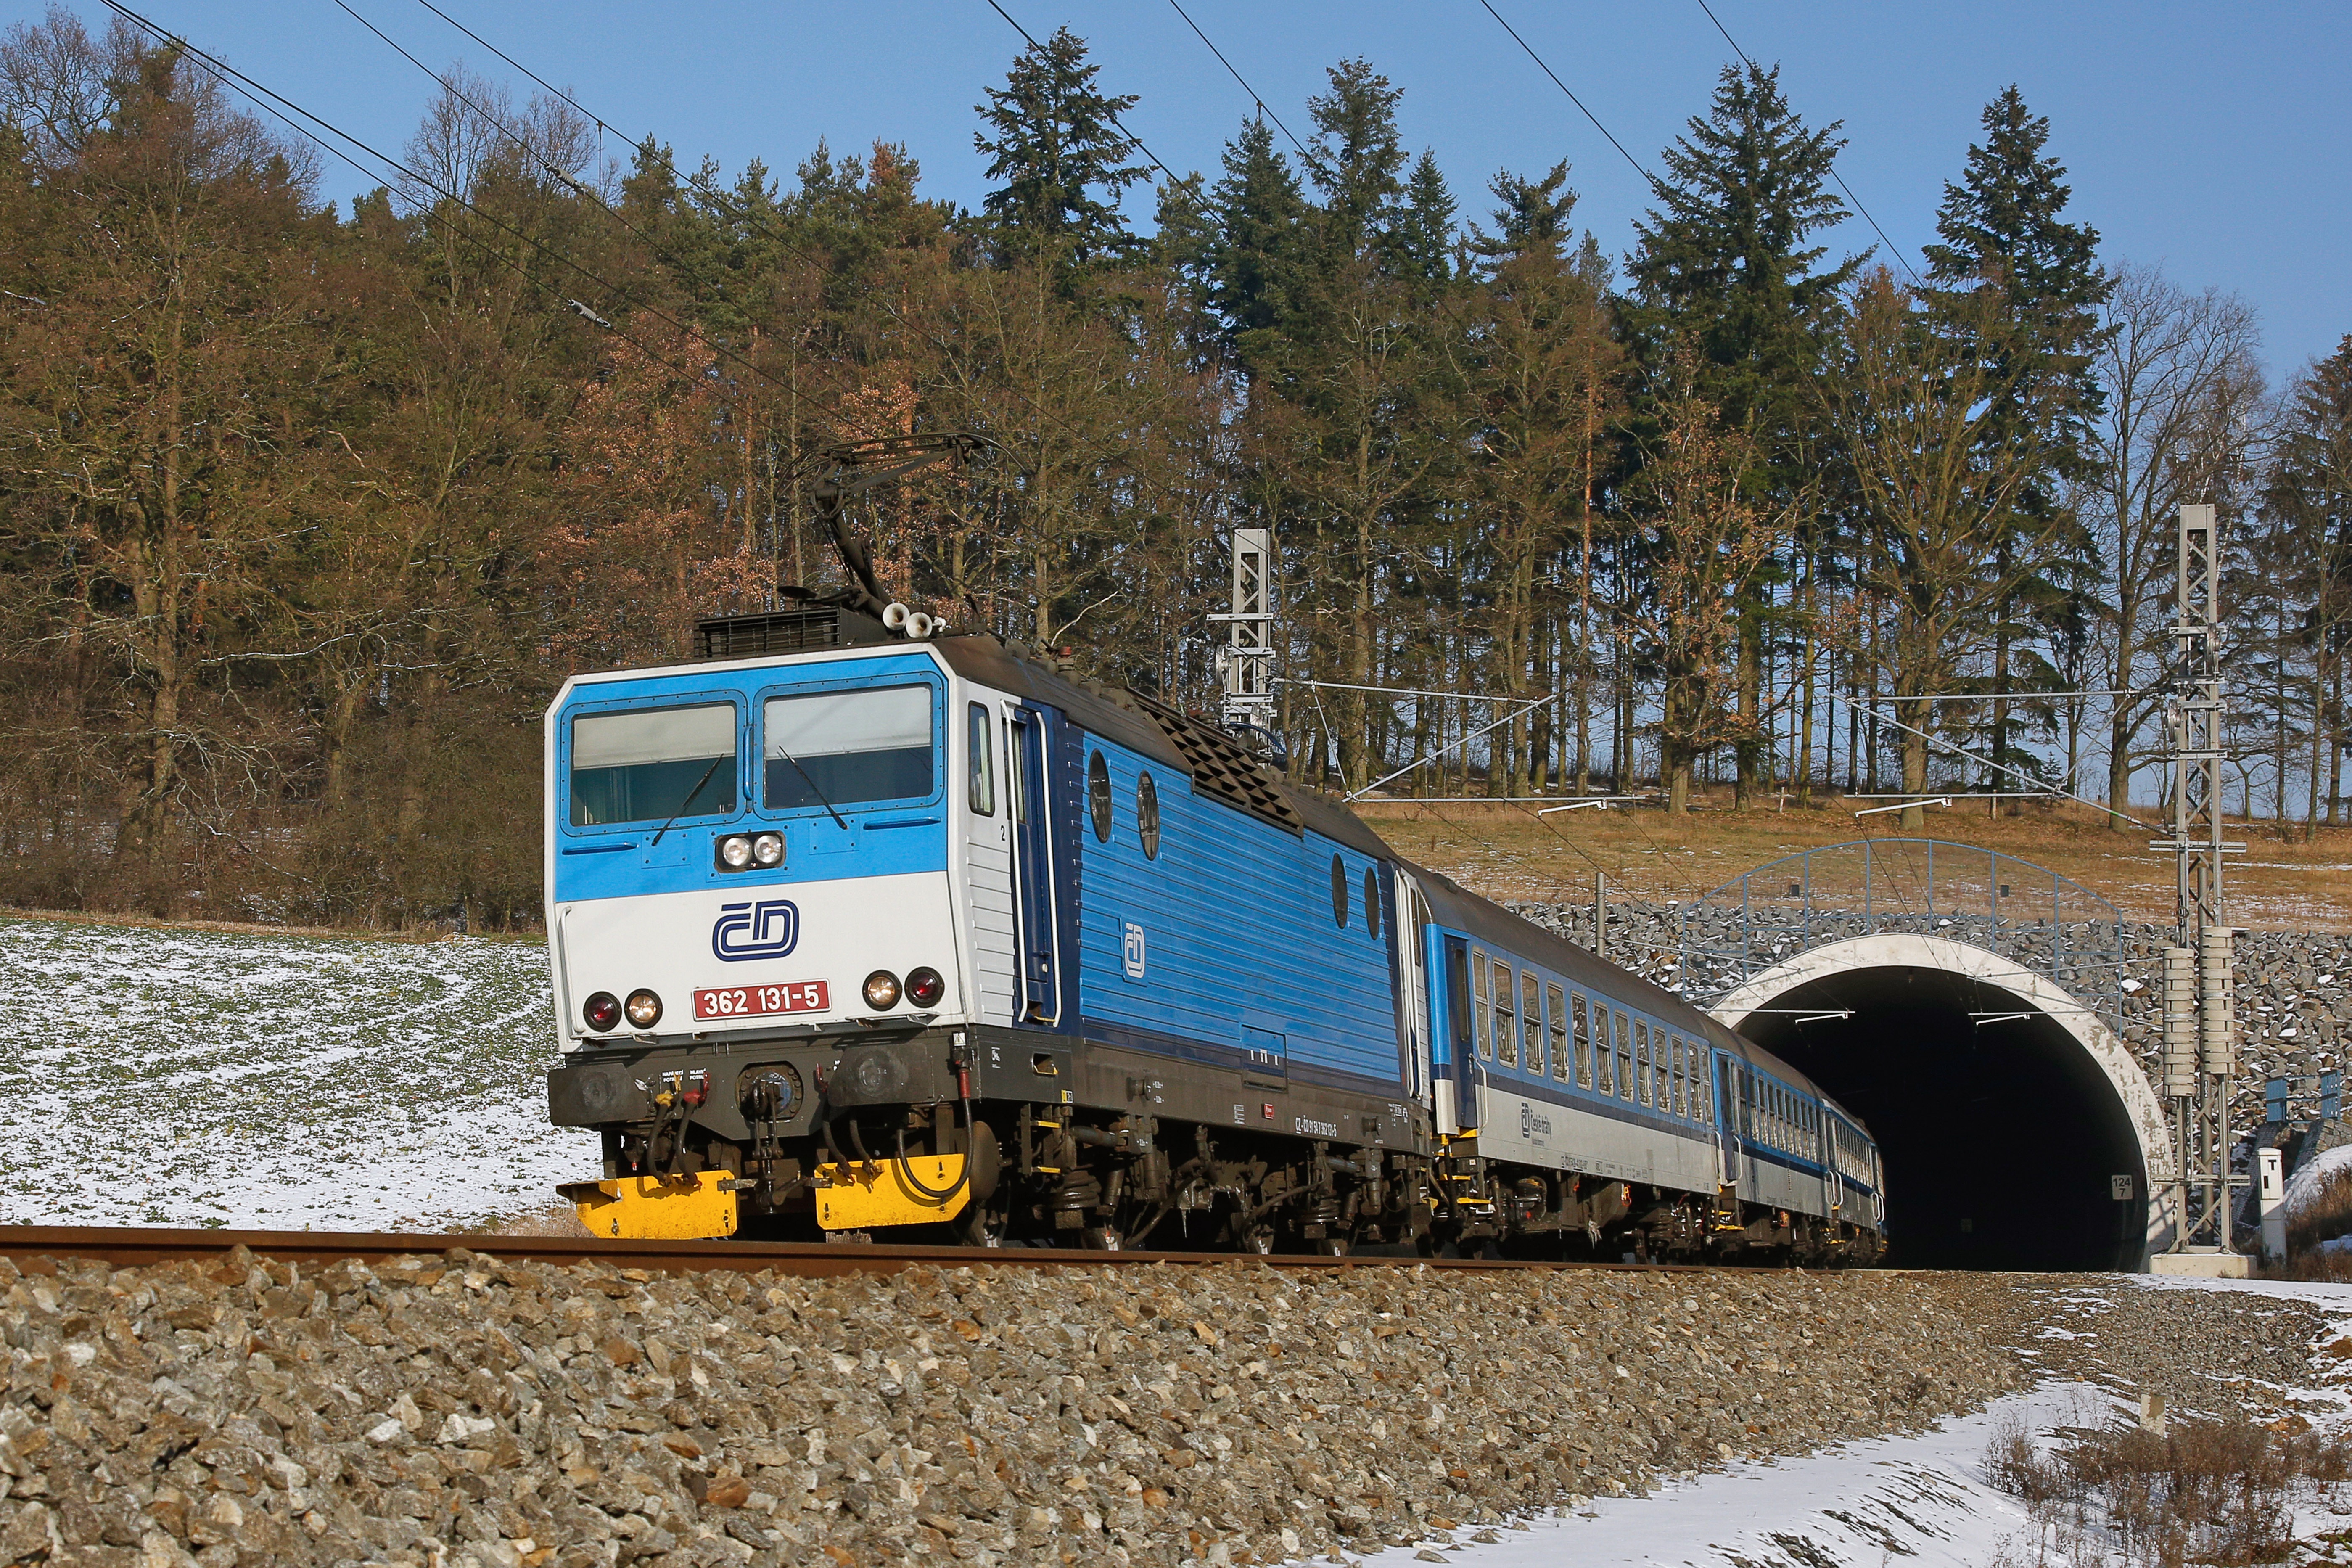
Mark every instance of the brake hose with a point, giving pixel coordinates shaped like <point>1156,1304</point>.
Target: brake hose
<point>963,1177</point>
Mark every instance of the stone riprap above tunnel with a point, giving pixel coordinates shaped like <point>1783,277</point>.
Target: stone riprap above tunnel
<point>2295,988</point>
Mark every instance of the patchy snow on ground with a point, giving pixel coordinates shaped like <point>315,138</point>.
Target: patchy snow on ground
<point>256,1080</point>
<point>2311,1181</point>
<point>1923,1499</point>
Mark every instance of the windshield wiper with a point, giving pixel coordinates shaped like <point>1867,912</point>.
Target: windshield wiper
<point>696,790</point>
<point>812,789</point>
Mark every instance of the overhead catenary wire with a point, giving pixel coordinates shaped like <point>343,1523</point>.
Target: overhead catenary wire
<point>255,91</point>
<point>1255,98</point>
<point>1563,87</point>
<point>1123,130</point>
<point>1841,185</point>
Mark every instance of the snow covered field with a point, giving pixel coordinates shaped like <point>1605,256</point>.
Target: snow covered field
<point>1923,1499</point>
<point>1920,1499</point>
<point>251,1080</point>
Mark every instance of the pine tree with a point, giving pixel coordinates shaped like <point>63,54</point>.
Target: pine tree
<point>1054,142</point>
<point>2002,234</point>
<point>1726,277</point>
<point>1256,263</point>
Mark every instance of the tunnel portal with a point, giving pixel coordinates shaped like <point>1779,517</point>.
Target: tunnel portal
<point>2005,1111</point>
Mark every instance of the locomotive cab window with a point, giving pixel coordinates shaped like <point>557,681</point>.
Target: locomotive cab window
<point>1372,902</point>
<point>1098,797</point>
<point>651,765</point>
<point>1339,892</point>
<point>983,788</point>
<point>846,748</point>
<point>1147,816</point>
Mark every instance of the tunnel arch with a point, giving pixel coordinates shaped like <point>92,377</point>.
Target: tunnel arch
<point>2002,1104</point>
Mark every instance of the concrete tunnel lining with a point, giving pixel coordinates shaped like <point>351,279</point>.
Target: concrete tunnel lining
<point>2000,1137</point>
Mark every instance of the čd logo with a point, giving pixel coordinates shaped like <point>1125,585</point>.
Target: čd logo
<point>768,929</point>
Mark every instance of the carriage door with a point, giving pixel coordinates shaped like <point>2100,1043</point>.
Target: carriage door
<point>1726,1120</point>
<point>1033,864</point>
<point>1461,1045</point>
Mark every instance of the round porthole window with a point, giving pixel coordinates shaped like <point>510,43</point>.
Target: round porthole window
<point>1372,902</point>
<point>1147,815</point>
<point>1098,797</point>
<point>1338,891</point>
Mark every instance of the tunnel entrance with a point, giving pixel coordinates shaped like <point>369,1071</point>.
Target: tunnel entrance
<point>2003,1134</point>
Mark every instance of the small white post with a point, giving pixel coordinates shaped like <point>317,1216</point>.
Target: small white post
<point>2273,1176</point>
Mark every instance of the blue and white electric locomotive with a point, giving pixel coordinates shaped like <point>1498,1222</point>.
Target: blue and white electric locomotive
<point>853,929</point>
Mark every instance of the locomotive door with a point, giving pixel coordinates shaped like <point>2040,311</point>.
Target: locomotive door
<point>1412,977</point>
<point>1033,863</point>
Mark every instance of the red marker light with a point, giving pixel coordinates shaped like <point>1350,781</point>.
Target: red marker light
<point>925,987</point>
<point>1269,1110</point>
<point>603,1010</point>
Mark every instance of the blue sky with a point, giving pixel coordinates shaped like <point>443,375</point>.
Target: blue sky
<point>2206,139</point>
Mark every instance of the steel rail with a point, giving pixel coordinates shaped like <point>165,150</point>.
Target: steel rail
<point>134,1247</point>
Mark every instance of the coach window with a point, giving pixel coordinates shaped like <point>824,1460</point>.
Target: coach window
<point>1339,892</point>
<point>1372,902</point>
<point>1676,1070</point>
<point>1506,1029</point>
<point>1583,1042</point>
<point>1625,1057</point>
<point>1702,1082</point>
<point>983,771</point>
<point>1481,980</point>
<point>1531,1018</point>
<point>1642,1075</point>
<point>1555,1015</point>
<point>1147,815</point>
<point>1098,797</point>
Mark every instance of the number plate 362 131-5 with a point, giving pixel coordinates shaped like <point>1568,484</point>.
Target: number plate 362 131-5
<point>759,1000</point>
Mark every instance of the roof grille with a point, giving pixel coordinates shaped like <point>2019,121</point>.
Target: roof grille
<point>1221,767</point>
<point>784,631</point>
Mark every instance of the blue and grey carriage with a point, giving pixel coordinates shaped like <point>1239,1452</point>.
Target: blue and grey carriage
<point>858,931</point>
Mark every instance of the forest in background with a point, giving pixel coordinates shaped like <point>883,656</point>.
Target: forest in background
<point>309,512</point>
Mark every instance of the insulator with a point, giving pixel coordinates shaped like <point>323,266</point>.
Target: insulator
<point>2179,999</point>
<point>2217,1016</point>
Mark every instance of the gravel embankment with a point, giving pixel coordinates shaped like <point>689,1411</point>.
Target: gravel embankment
<point>2231,1354</point>
<point>468,1409</point>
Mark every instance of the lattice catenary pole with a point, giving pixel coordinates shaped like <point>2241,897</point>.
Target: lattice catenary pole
<point>2200,1029</point>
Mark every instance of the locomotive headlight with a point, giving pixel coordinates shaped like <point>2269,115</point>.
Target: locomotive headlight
<point>735,851</point>
<point>768,849</point>
<point>924,986</point>
<point>881,991</point>
<point>644,1009</point>
<point>601,1011</point>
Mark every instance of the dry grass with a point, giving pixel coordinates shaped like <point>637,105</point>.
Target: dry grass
<point>2205,1491</point>
<point>1508,852</point>
<point>555,1219</point>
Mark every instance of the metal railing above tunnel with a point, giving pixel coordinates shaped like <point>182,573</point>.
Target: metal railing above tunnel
<point>2033,916</point>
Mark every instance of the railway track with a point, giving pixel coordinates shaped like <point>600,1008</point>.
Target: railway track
<point>131,1247</point>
